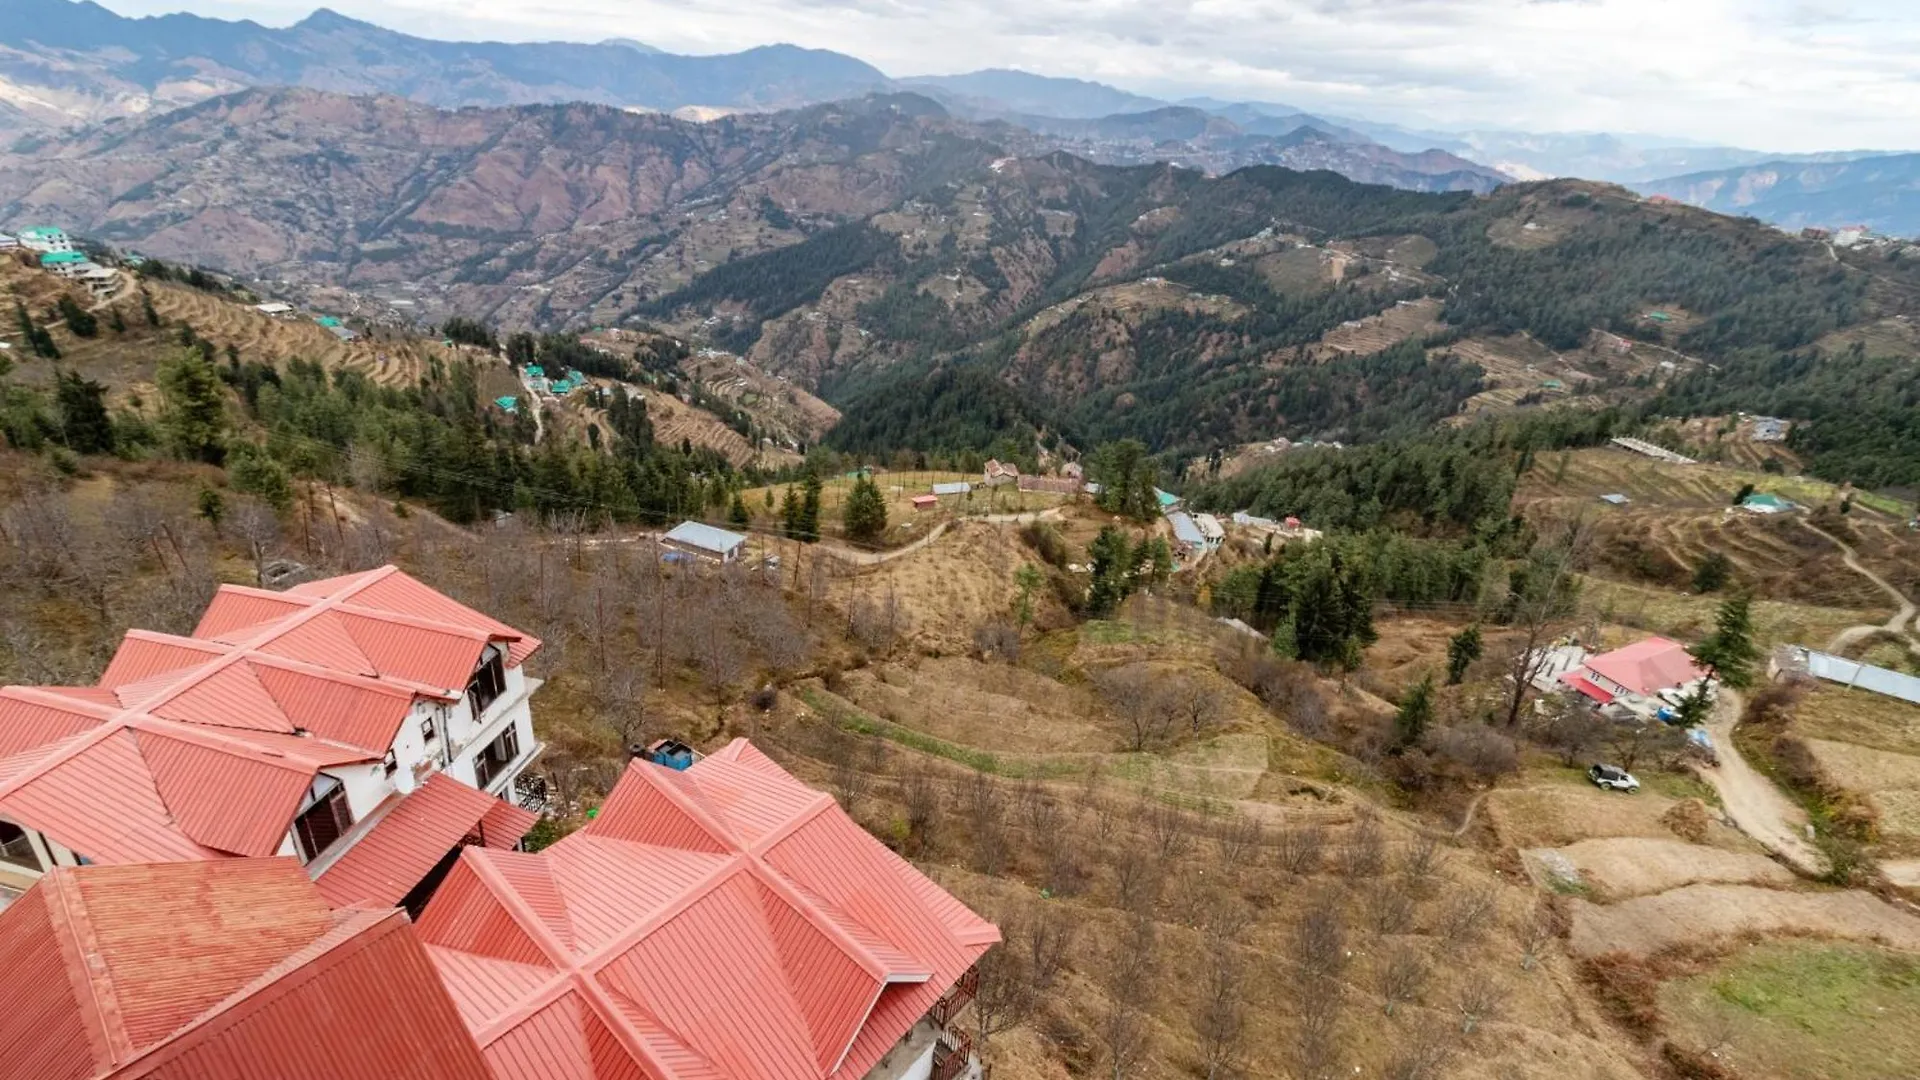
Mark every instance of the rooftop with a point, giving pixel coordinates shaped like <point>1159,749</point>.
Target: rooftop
<point>202,747</point>
<point>228,969</point>
<point>705,537</point>
<point>1649,666</point>
<point>725,921</point>
<point>1184,530</point>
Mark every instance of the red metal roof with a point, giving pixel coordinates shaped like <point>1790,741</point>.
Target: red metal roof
<point>194,747</point>
<point>413,836</point>
<point>1579,681</point>
<point>1649,666</point>
<point>208,971</point>
<point>726,921</point>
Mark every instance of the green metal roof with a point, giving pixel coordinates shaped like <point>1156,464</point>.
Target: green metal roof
<point>1763,499</point>
<point>508,402</point>
<point>61,258</point>
<point>42,232</point>
<point>327,320</point>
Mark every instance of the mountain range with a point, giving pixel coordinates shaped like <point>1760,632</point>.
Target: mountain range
<point>1880,192</point>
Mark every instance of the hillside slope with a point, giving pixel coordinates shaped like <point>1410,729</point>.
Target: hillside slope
<point>1882,193</point>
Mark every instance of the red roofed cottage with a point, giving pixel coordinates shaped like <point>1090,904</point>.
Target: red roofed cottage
<point>363,710</point>
<point>726,921</point>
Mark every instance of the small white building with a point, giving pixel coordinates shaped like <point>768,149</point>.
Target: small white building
<point>8,243</point>
<point>273,308</point>
<point>1210,530</point>
<point>705,542</point>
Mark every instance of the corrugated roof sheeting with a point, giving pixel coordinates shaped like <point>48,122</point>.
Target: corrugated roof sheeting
<point>337,709</point>
<point>323,642</point>
<point>464,914</point>
<point>101,802</point>
<point>793,963</point>
<point>640,811</point>
<point>484,988</point>
<point>434,657</point>
<point>42,1022</point>
<point>224,800</point>
<point>173,941</point>
<point>230,697</point>
<point>404,845</point>
<point>144,654</point>
<point>1863,676</point>
<point>504,824</point>
<point>27,724</point>
<point>235,608</point>
<point>564,1041</point>
<point>361,1003</point>
<point>407,595</point>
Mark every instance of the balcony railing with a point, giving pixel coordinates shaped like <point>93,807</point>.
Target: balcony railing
<point>952,1053</point>
<point>956,998</point>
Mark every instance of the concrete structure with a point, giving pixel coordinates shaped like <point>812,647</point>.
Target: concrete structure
<point>1210,530</point>
<point>363,709</point>
<point>7,242</point>
<point>1771,429</point>
<point>66,264</point>
<point>273,308</point>
<point>1855,675</point>
<point>705,542</point>
<point>959,487</point>
<point>1616,499</point>
<point>1659,453</point>
<point>44,238</point>
<point>1187,537</point>
<point>999,472</point>
<point>1072,471</point>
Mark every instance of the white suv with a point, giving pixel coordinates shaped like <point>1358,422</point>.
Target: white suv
<point>1613,779</point>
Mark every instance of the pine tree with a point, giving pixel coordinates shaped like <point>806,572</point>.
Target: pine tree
<point>865,512</point>
<point>193,411</point>
<point>80,321</point>
<point>738,513</point>
<point>84,424</point>
<point>1712,573</point>
<point>1462,650</point>
<point>1416,714</point>
<point>790,512</point>
<point>211,506</point>
<point>1112,560</point>
<point>1026,579</point>
<point>810,509</point>
<point>1729,652</point>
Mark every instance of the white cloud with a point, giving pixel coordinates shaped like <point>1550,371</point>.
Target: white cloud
<point>1771,74</point>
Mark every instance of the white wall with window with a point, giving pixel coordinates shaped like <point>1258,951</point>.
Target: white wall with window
<point>26,854</point>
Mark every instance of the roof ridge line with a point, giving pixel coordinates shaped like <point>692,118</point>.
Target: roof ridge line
<point>101,1002</point>
<point>716,830</point>
<point>614,946</point>
<point>265,989</point>
<point>834,932</point>
<point>792,825</point>
<point>190,677</point>
<point>41,695</point>
<point>568,963</point>
<point>421,622</point>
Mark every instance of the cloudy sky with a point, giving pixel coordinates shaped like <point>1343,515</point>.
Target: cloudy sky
<point>1786,75</point>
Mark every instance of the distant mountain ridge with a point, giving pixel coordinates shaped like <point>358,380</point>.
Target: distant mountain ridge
<point>1881,192</point>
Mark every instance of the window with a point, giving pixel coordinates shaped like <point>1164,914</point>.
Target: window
<point>496,757</point>
<point>16,847</point>
<point>391,763</point>
<point>426,729</point>
<point>488,682</point>
<point>323,819</point>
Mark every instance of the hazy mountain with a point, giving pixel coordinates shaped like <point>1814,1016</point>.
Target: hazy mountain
<point>65,62</point>
<point>1881,192</point>
<point>998,90</point>
<point>470,210</point>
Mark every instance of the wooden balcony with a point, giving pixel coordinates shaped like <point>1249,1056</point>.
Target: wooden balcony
<point>952,1054</point>
<point>956,998</point>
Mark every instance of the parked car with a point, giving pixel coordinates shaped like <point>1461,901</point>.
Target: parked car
<point>1613,778</point>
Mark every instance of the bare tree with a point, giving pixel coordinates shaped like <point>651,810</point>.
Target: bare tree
<point>1138,877</point>
<point>1301,848</point>
<point>1220,1019</point>
<point>1241,839</point>
<point>1539,605</point>
<point>1134,696</point>
<point>1466,915</point>
<point>1400,975</point>
<point>1422,1053</point>
<point>1631,740</point>
<point>1316,1034</point>
<point>1168,826</point>
<point>1420,863</point>
<point>1006,997</point>
<point>1049,933</point>
<point>1319,944</point>
<point>986,817</point>
<point>1364,855</point>
<point>1480,1000</point>
<point>1390,903</point>
<point>1572,729</point>
<point>1538,928</point>
<point>254,523</point>
<point>920,792</point>
<point>716,651</point>
<point>1197,702</point>
<point>1130,976</point>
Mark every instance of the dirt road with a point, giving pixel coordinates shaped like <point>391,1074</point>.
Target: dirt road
<point>1904,608</point>
<point>1750,799</point>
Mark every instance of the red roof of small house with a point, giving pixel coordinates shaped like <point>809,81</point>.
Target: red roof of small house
<point>1649,666</point>
<point>926,500</point>
<point>195,748</point>
<point>217,971</point>
<point>1579,681</point>
<point>725,921</point>
<point>409,837</point>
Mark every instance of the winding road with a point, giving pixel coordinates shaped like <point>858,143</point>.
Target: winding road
<point>1751,800</point>
<point>1904,608</point>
